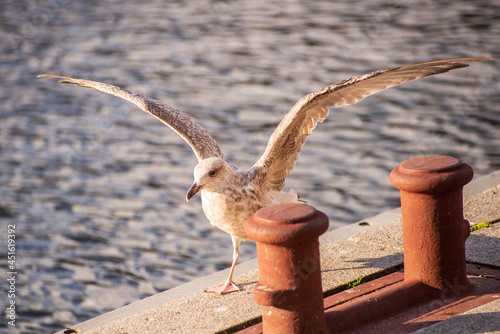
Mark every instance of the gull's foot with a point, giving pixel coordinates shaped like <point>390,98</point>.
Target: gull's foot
<point>223,288</point>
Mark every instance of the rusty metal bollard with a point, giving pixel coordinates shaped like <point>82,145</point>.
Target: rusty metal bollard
<point>434,230</point>
<point>289,287</point>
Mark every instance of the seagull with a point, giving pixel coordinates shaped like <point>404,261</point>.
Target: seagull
<point>229,195</point>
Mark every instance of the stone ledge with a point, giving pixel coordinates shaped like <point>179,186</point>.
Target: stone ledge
<point>371,249</point>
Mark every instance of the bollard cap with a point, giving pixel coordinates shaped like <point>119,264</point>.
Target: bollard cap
<point>431,174</point>
<point>286,213</point>
<point>286,224</point>
<point>430,164</point>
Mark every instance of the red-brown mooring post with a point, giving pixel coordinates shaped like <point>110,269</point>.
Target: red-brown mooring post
<point>289,287</point>
<point>434,229</point>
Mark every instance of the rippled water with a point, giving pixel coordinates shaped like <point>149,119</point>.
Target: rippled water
<point>96,187</point>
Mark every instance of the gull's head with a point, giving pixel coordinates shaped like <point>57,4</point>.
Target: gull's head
<point>210,175</point>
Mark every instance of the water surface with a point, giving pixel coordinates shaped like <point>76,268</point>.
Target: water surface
<point>97,188</point>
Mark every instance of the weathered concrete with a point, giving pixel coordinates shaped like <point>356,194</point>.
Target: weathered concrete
<point>483,246</point>
<point>483,207</point>
<point>368,224</point>
<point>199,312</point>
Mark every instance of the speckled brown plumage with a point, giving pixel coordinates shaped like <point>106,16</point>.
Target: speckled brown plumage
<point>230,196</point>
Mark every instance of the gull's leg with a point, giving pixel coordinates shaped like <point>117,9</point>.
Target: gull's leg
<point>229,286</point>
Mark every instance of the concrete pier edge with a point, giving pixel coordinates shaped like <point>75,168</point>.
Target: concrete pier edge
<point>339,245</point>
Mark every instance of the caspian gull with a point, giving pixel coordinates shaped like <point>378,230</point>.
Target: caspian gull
<point>230,196</point>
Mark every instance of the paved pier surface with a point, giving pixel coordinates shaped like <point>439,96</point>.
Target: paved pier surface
<point>370,248</point>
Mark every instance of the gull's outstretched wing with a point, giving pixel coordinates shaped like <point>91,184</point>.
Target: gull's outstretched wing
<point>286,141</point>
<point>202,143</point>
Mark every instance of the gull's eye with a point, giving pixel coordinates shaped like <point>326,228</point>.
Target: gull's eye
<point>212,173</point>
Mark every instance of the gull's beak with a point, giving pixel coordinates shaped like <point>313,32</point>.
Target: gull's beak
<point>195,188</point>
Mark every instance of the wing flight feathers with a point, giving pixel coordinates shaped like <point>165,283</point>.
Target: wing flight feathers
<point>286,142</point>
<point>202,143</point>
